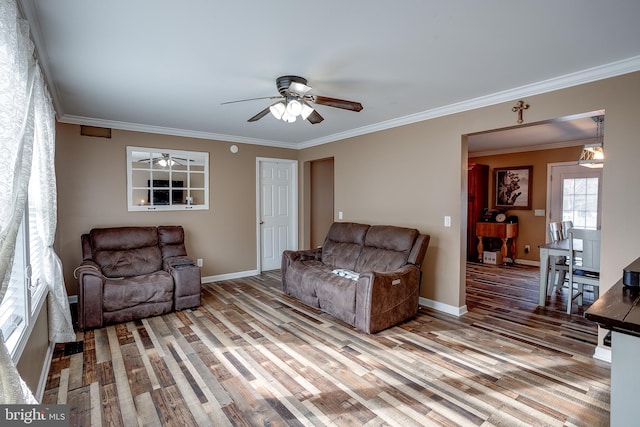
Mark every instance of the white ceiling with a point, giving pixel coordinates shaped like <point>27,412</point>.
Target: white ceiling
<point>166,66</point>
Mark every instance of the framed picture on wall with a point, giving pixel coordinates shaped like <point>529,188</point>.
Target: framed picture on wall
<point>513,187</point>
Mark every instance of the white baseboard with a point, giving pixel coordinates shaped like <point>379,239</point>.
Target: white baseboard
<point>445,308</point>
<point>229,276</point>
<point>603,353</point>
<point>528,262</point>
<point>42,383</point>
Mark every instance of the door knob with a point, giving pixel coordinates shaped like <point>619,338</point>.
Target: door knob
<point>261,222</point>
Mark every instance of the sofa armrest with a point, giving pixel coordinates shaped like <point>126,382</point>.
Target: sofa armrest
<point>90,295</point>
<point>176,262</point>
<point>384,299</point>
<point>289,257</point>
<point>186,281</point>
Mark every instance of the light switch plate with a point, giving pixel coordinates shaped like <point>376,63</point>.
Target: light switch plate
<point>538,212</point>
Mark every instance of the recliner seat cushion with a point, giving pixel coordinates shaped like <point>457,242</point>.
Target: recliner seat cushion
<point>150,288</point>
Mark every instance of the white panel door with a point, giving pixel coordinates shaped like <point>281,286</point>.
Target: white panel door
<point>277,211</point>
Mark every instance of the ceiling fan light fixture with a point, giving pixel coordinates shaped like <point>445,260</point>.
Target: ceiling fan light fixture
<point>306,111</point>
<point>294,107</point>
<point>277,110</point>
<point>288,117</point>
<point>163,163</point>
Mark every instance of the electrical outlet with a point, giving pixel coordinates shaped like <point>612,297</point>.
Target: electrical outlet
<point>199,262</point>
<point>527,248</point>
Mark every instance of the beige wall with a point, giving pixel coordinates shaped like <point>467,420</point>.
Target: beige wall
<point>92,184</point>
<point>414,175</point>
<point>531,229</point>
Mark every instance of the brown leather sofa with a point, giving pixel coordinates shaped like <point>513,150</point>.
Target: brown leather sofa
<point>131,273</point>
<point>365,275</point>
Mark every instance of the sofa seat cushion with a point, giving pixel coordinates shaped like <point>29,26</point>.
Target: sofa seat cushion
<point>387,248</point>
<point>343,244</point>
<point>128,292</point>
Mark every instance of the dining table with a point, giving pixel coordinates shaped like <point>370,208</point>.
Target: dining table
<point>549,253</point>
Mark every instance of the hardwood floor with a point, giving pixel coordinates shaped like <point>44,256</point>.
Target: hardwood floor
<point>252,356</point>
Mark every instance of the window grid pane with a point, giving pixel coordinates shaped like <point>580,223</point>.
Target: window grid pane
<point>580,202</point>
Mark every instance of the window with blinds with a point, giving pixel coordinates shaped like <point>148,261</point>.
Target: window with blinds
<point>27,284</point>
<point>36,256</point>
<point>13,310</point>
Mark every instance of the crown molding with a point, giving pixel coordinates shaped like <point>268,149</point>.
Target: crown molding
<point>589,75</point>
<point>89,121</point>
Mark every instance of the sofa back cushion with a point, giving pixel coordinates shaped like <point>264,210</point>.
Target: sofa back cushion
<point>343,244</point>
<point>386,248</point>
<point>171,238</point>
<point>126,251</point>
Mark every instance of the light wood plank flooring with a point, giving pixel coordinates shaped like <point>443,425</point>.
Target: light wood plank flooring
<point>250,356</point>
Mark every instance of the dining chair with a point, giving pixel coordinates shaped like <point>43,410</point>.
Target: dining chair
<point>555,231</point>
<point>566,226</point>
<point>587,271</point>
<point>558,265</point>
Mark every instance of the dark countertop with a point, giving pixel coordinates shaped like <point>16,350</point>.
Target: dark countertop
<point>618,309</point>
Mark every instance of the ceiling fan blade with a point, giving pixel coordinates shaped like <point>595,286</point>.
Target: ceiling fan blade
<point>315,117</point>
<point>260,115</point>
<point>252,99</point>
<point>337,103</point>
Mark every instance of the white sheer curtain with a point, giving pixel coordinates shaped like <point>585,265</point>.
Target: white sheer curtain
<point>27,146</point>
<point>44,198</point>
<point>16,145</point>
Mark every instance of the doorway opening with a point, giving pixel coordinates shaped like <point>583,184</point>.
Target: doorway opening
<point>538,144</point>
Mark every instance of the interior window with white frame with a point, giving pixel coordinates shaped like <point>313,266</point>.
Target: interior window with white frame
<point>165,179</point>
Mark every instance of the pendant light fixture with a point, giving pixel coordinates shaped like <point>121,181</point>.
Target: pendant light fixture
<point>592,155</point>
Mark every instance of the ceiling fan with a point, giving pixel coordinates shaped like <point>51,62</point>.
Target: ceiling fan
<point>167,160</point>
<point>294,101</point>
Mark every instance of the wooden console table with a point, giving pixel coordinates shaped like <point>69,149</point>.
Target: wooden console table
<point>499,230</point>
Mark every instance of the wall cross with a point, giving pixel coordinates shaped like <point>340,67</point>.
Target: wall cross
<point>519,108</point>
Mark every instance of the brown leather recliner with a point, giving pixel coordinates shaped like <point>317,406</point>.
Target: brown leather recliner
<point>131,273</point>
